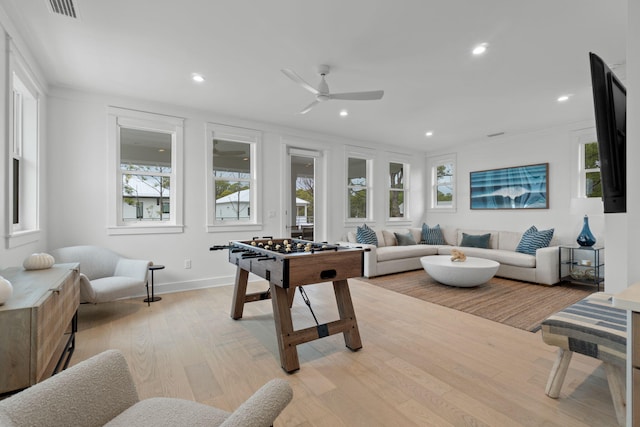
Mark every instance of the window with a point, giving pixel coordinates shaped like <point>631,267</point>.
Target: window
<point>358,188</point>
<point>590,183</point>
<point>145,164</point>
<point>398,190</point>
<point>443,188</point>
<point>145,152</point>
<point>232,187</point>
<point>24,167</point>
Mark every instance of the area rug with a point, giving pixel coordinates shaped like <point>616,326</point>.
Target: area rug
<point>519,304</point>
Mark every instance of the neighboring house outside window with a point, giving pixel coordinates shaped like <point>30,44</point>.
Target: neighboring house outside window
<point>146,173</point>
<point>232,185</point>
<point>443,183</point>
<point>24,167</point>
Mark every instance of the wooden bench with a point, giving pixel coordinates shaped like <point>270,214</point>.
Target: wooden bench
<point>595,328</point>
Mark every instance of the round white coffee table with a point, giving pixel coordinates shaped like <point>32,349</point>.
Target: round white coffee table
<point>472,272</point>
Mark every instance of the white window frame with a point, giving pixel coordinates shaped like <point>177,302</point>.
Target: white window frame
<point>369,158</point>
<point>580,204</point>
<point>433,164</point>
<point>25,149</point>
<point>406,181</point>
<point>584,139</point>
<point>124,118</point>
<point>254,139</point>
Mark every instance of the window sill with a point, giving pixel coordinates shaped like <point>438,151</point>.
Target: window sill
<point>443,210</point>
<point>144,229</point>
<point>233,227</point>
<point>359,221</point>
<point>20,238</point>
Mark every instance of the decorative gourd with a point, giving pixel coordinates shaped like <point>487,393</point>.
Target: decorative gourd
<point>38,261</point>
<point>5,290</point>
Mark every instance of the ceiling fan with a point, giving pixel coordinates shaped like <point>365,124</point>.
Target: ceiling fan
<point>322,92</point>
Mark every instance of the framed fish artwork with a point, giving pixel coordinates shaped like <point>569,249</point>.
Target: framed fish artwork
<point>521,187</point>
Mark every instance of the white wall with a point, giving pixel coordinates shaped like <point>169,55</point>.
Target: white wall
<point>77,187</point>
<point>554,146</point>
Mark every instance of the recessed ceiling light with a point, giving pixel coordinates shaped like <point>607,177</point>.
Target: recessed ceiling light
<point>429,133</point>
<point>563,98</point>
<point>480,49</point>
<point>344,113</point>
<point>198,78</point>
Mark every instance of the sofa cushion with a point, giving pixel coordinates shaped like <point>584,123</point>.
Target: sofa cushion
<point>416,233</point>
<point>532,240</point>
<point>432,235</point>
<point>405,239</point>
<point>168,411</point>
<point>366,235</point>
<point>389,237</point>
<point>493,240</point>
<point>508,240</point>
<point>389,253</point>
<point>450,235</point>
<point>475,241</point>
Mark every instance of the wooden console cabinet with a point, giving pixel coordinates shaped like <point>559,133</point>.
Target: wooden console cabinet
<point>37,324</point>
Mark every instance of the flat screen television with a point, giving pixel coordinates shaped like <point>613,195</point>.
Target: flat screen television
<point>610,104</point>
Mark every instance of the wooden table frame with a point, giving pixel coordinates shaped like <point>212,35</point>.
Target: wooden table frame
<point>288,337</point>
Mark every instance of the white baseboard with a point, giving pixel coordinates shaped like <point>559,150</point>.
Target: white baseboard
<point>190,285</point>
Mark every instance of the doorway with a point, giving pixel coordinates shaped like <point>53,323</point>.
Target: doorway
<point>303,194</point>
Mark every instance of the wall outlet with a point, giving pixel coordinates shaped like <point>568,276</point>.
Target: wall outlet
<point>187,263</point>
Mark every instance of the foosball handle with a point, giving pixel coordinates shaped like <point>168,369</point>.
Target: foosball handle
<point>219,247</point>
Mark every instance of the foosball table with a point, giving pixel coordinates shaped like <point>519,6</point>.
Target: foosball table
<point>288,264</point>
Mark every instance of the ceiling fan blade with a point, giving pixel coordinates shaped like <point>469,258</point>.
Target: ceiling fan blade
<point>358,96</point>
<point>309,107</point>
<point>296,78</point>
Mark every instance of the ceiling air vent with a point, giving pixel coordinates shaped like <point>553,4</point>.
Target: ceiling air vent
<point>63,7</point>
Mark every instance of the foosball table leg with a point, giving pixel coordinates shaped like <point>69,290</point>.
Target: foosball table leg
<point>284,328</point>
<point>239,293</point>
<point>291,293</point>
<point>346,312</point>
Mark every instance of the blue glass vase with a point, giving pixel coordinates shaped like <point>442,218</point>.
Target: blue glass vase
<point>586,238</point>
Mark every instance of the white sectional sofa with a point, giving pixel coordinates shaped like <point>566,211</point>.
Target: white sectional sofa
<point>388,257</point>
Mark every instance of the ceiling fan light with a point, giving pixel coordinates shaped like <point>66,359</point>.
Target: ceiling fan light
<point>480,49</point>
<point>198,78</point>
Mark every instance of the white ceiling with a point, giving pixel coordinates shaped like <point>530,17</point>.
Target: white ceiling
<point>418,51</point>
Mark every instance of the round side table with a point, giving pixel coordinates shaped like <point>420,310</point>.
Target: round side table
<point>153,298</point>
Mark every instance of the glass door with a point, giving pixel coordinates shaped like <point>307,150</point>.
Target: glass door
<point>303,192</point>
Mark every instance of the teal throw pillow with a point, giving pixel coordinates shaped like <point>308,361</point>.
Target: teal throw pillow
<point>432,235</point>
<point>405,239</point>
<point>534,239</point>
<point>475,241</point>
<point>366,235</point>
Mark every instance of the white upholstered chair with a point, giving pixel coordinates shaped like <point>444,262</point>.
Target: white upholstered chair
<point>100,391</point>
<point>104,274</point>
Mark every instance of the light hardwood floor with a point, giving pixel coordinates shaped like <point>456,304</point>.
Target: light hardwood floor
<point>421,364</point>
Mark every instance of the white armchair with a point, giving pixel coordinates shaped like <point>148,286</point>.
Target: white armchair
<point>100,391</point>
<point>104,274</point>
